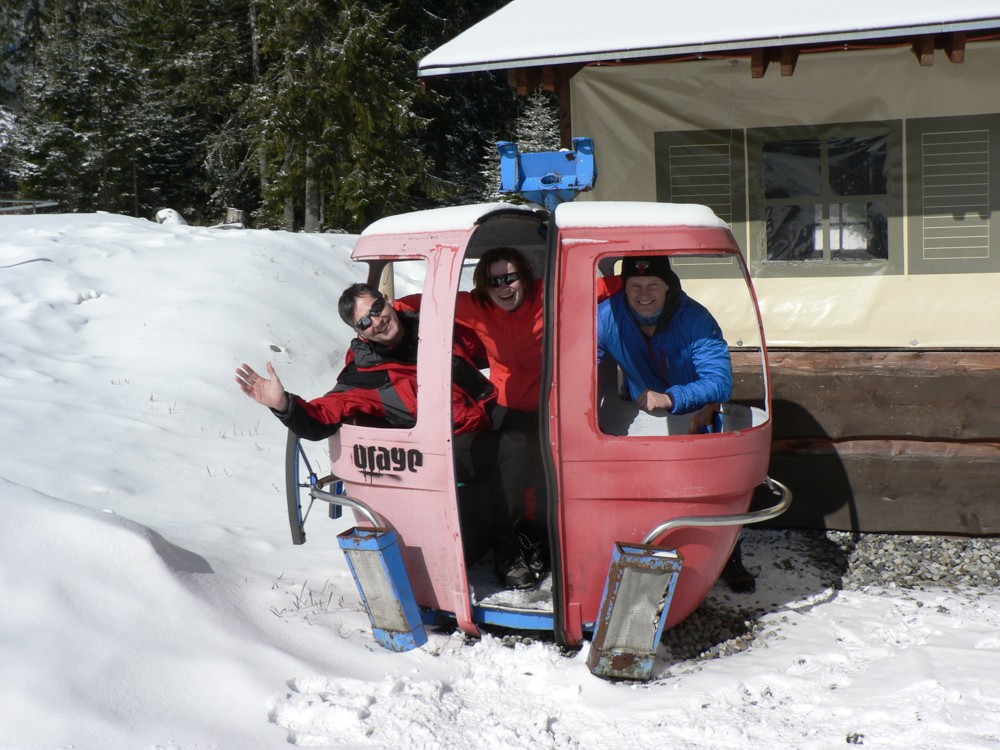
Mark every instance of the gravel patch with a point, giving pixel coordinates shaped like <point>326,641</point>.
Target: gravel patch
<point>919,562</point>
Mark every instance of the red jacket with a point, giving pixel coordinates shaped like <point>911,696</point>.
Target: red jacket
<point>513,342</point>
<point>380,385</point>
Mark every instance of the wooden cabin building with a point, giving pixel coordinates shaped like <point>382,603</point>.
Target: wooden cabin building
<point>854,149</point>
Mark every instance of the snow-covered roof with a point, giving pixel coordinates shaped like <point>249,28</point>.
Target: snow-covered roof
<point>635,214</point>
<point>450,218</point>
<point>583,214</point>
<point>548,32</point>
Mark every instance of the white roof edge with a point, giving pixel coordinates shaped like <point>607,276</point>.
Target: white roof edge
<point>426,70</point>
<point>445,219</point>
<point>589,214</point>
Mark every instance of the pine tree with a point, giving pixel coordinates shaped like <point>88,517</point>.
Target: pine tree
<point>123,99</point>
<point>49,145</point>
<point>375,160</point>
<point>83,133</point>
<point>337,126</point>
<point>287,104</point>
<point>535,129</point>
<point>19,31</point>
<point>341,109</point>
<point>464,111</point>
<point>199,63</point>
<point>307,112</point>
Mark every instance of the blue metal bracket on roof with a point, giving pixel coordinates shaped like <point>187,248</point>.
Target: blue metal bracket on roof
<point>548,177</point>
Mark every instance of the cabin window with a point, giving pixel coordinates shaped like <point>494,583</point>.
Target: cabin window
<point>828,200</point>
<point>825,198</point>
<point>821,200</point>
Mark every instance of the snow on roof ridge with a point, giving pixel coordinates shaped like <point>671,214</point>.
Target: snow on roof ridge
<point>636,213</point>
<point>449,218</point>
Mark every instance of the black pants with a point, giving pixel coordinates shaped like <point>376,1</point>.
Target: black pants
<point>503,460</point>
<point>526,423</point>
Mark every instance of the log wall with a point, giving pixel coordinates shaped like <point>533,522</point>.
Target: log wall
<point>885,441</point>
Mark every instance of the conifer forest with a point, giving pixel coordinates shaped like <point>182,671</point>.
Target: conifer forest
<point>304,114</point>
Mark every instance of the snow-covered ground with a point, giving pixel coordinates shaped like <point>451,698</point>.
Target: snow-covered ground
<point>151,597</point>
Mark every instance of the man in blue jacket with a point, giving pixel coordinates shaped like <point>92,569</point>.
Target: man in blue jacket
<point>671,353</point>
<point>669,347</point>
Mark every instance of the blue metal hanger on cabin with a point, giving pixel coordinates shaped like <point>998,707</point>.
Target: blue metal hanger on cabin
<point>548,178</point>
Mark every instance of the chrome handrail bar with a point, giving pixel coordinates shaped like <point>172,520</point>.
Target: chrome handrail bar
<point>329,497</point>
<point>736,519</point>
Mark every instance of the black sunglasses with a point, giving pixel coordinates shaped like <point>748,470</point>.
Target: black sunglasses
<point>499,281</point>
<point>373,312</point>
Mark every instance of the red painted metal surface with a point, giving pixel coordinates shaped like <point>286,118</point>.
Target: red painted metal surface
<point>420,504</point>
<point>617,489</point>
<point>610,489</point>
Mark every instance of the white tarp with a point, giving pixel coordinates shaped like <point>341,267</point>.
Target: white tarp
<point>623,108</point>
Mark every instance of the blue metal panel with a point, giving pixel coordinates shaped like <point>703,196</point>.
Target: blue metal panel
<point>396,641</point>
<point>383,544</point>
<point>617,661</point>
<point>515,619</point>
<point>336,511</point>
<point>548,177</point>
<point>487,615</point>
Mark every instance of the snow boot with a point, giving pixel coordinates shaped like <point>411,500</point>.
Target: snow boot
<point>534,556</point>
<point>511,568</point>
<point>740,580</point>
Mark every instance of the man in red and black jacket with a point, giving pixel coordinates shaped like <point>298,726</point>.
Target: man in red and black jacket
<point>379,382</point>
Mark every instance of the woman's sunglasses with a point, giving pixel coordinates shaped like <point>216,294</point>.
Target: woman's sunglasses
<point>373,312</point>
<point>499,281</point>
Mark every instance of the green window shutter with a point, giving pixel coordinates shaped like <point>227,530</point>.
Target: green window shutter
<point>706,167</point>
<point>952,167</point>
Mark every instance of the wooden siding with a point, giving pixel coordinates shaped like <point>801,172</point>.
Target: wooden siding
<point>885,441</point>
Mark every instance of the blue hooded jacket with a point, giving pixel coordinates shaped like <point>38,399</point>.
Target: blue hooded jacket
<point>687,357</point>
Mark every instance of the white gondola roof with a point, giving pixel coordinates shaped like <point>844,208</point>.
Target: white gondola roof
<point>582,214</point>
<point>549,32</point>
<point>635,214</point>
<point>450,218</point>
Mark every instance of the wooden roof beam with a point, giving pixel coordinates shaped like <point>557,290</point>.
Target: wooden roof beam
<point>923,48</point>
<point>549,77</point>
<point>524,80</point>
<point>954,47</point>
<point>789,57</point>
<point>759,60</point>
<point>761,57</point>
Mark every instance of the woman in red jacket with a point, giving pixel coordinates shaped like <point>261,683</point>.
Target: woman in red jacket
<point>505,311</point>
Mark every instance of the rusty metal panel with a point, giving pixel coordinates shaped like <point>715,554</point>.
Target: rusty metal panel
<point>634,608</point>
